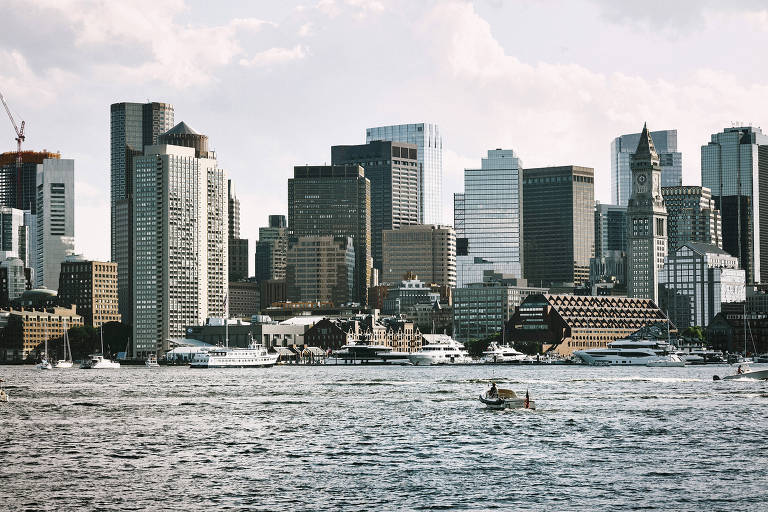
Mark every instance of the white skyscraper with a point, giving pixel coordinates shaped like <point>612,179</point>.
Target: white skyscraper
<point>430,160</point>
<point>180,239</point>
<point>14,235</point>
<point>55,219</point>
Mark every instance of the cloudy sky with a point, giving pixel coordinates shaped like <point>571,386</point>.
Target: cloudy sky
<point>275,84</point>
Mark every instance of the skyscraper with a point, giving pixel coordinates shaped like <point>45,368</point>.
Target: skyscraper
<point>132,126</point>
<point>92,287</point>
<point>646,222</point>
<point>731,164</point>
<point>392,168</point>
<point>692,217</point>
<point>558,215</point>
<point>321,269</point>
<point>429,146</point>
<point>55,219</point>
<point>425,250</point>
<point>18,189</point>
<point>238,247</point>
<point>622,148</point>
<point>14,235</point>
<point>271,250</point>
<point>488,218</point>
<point>610,261</point>
<point>180,239</point>
<point>334,201</point>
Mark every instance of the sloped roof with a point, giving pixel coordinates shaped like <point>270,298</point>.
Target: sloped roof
<point>645,147</point>
<point>181,129</point>
<point>703,248</point>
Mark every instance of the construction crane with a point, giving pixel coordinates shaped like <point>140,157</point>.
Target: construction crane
<point>19,135</point>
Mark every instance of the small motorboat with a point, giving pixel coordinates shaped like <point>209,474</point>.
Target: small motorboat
<point>743,372</point>
<point>506,399</point>
<point>3,394</point>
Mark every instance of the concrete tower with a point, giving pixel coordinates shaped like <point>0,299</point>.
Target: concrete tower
<point>646,222</point>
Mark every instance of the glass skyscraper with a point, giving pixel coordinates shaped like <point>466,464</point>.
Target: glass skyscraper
<point>430,159</point>
<point>622,148</point>
<point>732,166</point>
<point>488,220</point>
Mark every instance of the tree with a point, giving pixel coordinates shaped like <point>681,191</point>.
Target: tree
<point>695,331</point>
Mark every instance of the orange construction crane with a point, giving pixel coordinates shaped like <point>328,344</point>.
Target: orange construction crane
<point>19,135</point>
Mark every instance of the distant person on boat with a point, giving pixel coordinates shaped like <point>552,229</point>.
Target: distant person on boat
<point>740,370</point>
<point>493,392</point>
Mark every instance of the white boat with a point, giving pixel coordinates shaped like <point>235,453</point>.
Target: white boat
<point>506,399</point>
<point>496,353</point>
<point>628,352</point>
<point>151,361</point>
<point>67,361</point>
<point>225,357</point>
<point>98,361</point>
<point>360,353</point>
<point>744,372</point>
<point>44,364</point>
<point>445,350</point>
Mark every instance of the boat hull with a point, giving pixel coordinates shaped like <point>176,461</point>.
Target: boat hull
<point>507,403</point>
<point>757,375</point>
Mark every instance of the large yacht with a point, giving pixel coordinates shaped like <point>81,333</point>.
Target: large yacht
<point>441,349</point>
<point>496,353</point>
<point>631,353</point>
<point>99,362</point>
<point>254,356</point>
<point>360,353</point>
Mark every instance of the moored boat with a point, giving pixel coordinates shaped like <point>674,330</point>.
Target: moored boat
<point>498,398</point>
<point>151,361</point>
<point>444,350</point>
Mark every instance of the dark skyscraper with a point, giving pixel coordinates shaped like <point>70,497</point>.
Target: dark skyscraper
<point>271,250</point>
<point>336,201</point>
<point>238,247</point>
<point>558,215</point>
<point>392,168</point>
<point>132,126</point>
<point>19,190</point>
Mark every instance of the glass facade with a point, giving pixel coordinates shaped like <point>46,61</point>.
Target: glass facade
<point>733,165</point>
<point>622,148</point>
<point>429,146</point>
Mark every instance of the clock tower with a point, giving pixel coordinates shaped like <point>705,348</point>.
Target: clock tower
<point>646,222</point>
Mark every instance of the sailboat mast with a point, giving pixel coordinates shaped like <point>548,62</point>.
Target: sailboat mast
<point>745,330</point>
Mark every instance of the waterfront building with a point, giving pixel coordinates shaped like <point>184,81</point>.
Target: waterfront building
<point>238,247</point>
<point>481,309</point>
<point>428,251</point>
<point>320,268</point>
<point>132,126</point>
<point>18,186</point>
<point>566,323</point>
<point>180,239</point>
<point>406,293</point>
<point>740,322</point>
<point>622,149</point>
<point>488,218</point>
<point>271,250</point>
<point>14,235</point>
<point>692,217</point>
<point>730,166</point>
<point>27,329</point>
<point>433,318</point>
<point>429,149</point>
<point>392,168</point>
<point>695,280</point>
<point>244,299</point>
<point>559,220</point>
<point>610,261</point>
<point>91,286</point>
<point>55,218</point>
<point>646,222</point>
<point>334,201</point>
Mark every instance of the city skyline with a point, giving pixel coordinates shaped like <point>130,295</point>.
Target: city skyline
<point>492,90</point>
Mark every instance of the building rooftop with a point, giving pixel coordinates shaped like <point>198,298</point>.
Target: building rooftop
<point>181,129</point>
<point>703,248</point>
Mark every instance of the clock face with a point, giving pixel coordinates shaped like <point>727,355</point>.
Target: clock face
<point>642,178</point>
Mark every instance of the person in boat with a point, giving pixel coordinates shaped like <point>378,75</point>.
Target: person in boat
<point>493,392</point>
<point>740,370</point>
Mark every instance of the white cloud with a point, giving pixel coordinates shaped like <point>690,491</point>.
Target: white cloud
<point>274,56</point>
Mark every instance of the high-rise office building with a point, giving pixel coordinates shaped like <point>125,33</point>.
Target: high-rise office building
<point>622,148</point>
<point>92,287</point>
<point>610,261</point>
<point>334,201</point>
<point>731,164</point>
<point>392,168</point>
<point>180,239</point>
<point>320,269</point>
<point>559,220</point>
<point>132,126</point>
<point>692,217</point>
<point>238,247</point>
<point>271,250</point>
<point>427,251</point>
<point>19,189</point>
<point>646,222</point>
<point>488,218</point>
<point>696,280</point>
<point>14,235</point>
<point>429,146</point>
<point>55,219</point>
<point>13,280</point>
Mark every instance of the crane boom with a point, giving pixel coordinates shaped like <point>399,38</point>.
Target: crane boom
<point>19,136</point>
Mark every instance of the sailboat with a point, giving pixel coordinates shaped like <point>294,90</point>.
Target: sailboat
<point>44,364</point>
<point>743,371</point>
<point>67,361</point>
<point>98,361</point>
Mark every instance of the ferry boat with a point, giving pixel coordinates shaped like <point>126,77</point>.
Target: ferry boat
<point>631,353</point>
<point>255,356</point>
<point>445,350</point>
<point>496,353</point>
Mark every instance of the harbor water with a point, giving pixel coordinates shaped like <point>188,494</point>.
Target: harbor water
<point>382,438</point>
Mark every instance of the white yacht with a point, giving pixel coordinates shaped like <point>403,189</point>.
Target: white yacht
<point>67,361</point>
<point>228,357</point>
<point>631,353</point>
<point>496,353</point>
<point>98,361</point>
<point>360,353</point>
<point>442,349</point>
<point>44,364</point>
